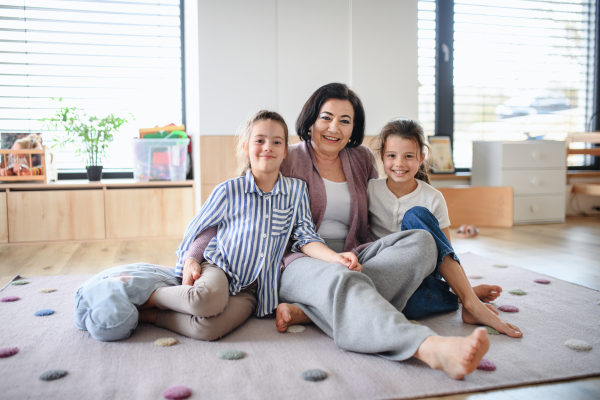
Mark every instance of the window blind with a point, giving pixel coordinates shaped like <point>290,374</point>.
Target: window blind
<point>426,68</point>
<point>120,57</point>
<point>522,69</point>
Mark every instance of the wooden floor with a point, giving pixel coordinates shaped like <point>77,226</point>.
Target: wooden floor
<point>569,251</point>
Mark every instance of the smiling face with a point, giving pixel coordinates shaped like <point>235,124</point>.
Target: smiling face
<point>401,159</point>
<point>266,148</point>
<point>333,128</point>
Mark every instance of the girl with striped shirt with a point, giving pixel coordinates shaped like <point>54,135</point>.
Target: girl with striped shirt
<point>256,214</point>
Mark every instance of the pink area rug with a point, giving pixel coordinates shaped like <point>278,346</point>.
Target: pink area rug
<point>549,315</point>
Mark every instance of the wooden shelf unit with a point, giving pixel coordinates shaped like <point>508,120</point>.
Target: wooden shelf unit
<point>83,210</point>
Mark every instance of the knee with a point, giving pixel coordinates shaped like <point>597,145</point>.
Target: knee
<point>416,217</point>
<point>106,326</point>
<point>203,331</point>
<point>208,301</point>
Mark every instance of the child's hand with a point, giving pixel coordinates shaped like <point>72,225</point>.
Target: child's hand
<point>349,260</point>
<point>191,271</point>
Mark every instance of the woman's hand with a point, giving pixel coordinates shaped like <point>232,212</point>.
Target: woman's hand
<point>349,260</point>
<point>191,271</point>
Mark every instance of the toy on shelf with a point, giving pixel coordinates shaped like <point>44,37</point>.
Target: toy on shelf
<point>27,160</point>
<point>161,154</point>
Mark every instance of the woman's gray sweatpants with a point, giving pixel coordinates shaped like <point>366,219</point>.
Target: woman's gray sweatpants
<point>360,310</point>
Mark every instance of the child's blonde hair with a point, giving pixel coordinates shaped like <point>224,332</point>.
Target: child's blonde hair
<point>244,137</point>
<point>407,129</point>
<point>31,141</point>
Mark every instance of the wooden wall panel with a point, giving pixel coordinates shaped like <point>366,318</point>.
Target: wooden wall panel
<point>53,215</point>
<point>3,218</point>
<point>132,213</point>
<point>218,160</point>
<point>480,206</point>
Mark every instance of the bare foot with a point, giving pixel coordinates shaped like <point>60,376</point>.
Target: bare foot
<point>455,356</point>
<point>289,314</point>
<point>487,292</point>
<point>148,315</point>
<point>479,313</point>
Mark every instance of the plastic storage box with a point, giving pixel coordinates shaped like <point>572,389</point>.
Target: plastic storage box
<point>160,159</point>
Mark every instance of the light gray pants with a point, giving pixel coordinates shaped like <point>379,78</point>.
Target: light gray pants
<point>204,311</point>
<point>360,310</point>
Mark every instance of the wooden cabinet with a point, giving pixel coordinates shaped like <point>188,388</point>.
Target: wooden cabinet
<point>50,215</point>
<point>154,212</point>
<point>82,210</point>
<point>3,218</point>
<point>534,169</point>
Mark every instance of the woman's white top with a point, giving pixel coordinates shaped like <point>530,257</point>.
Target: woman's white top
<point>386,211</point>
<point>336,220</point>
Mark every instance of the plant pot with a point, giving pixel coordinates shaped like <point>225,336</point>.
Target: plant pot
<point>94,172</point>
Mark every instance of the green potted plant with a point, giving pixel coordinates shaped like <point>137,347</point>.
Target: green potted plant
<point>93,134</point>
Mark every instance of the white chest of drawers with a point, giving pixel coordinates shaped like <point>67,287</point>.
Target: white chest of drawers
<point>535,169</point>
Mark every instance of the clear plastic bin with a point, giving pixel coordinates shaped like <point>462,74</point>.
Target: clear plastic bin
<point>160,159</point>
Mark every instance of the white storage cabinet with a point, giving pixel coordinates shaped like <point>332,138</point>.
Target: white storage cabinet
<point>535,169</point>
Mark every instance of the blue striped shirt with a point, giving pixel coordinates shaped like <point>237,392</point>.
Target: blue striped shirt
<point>253,230</point>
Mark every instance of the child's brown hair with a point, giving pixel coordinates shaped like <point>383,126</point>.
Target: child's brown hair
<point>244,137</point>
<point>407,129</point>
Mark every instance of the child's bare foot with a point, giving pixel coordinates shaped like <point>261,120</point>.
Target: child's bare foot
<point>289,314</point>
<point>148,315</point>
<point>487,292</point>
<point>479,313</point>
<point>455,356</point>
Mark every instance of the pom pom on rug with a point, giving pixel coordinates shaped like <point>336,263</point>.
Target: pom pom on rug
<point>165,342</point>
<point>44,312</point>
<point>19,283</point>
<point>177,393</point>
<point>486,365</point>
<point>8,299</point>
<point>578,345</point>
<point>507,308</point>
<point>295,329</point>
<point>47,290</point>
<point>314,375</point>
<point>500,266</point>
<point>518,292</point>
<point>230,354</point>
<point>8,352</point>
<point>542,281</point>
<point>491,331</point>
<point>53,374</point>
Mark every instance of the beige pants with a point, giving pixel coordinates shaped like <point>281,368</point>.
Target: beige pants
<point>204,311</point>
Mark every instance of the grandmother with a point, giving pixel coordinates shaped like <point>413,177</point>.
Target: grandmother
<point>360,311</point>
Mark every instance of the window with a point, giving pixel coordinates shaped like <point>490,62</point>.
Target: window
<point>510,71</point>
<point>102,57</point>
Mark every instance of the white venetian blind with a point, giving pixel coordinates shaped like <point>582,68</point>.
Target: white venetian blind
<point>521,68</point>
<point>426,60</point>
<point>102,57</point>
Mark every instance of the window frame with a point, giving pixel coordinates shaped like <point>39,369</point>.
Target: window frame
<point>444,75</point>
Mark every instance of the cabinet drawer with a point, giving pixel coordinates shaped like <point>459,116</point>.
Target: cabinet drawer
<point>132,213</point>
<point>49,215</point>
<point>535,181</point>
<point>539,209</point>
<point>534,154</point>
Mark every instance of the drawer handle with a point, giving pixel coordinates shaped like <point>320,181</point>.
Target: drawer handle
<point>534,208</point>
<point>535,155</point>
<point>535,181</point>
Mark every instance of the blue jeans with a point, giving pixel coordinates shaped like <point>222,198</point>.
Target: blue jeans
<point>106,304</point>
<point>434,295</point>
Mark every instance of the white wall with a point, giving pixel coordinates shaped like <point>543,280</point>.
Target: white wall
<point>275,54</point>
<point>242,56</point>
